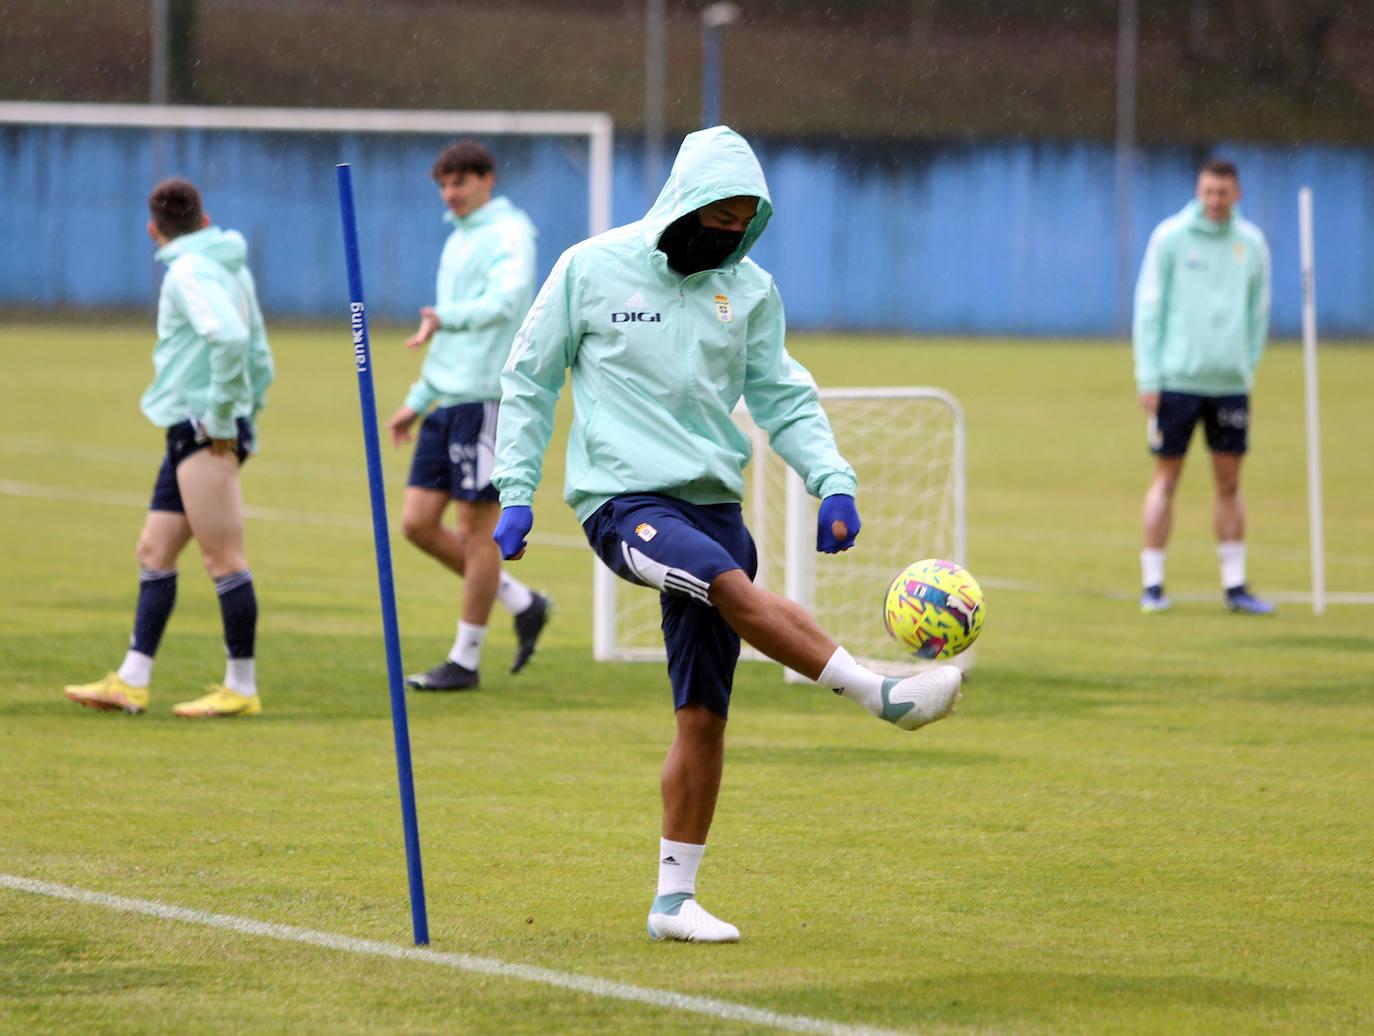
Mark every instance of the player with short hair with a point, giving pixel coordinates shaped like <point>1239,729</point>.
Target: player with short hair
<point>213,366</point>
<point>484,287</point>
<point>665,324</point>
<point>1201,318</point>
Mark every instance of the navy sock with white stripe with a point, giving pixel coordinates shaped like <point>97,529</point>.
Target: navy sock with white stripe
<point>238,608</point>
<point>157,594</point>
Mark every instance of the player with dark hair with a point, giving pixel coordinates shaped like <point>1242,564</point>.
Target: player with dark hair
<point>1201,319</point>
<point>665,325</point>
<point>213,366</point>
<point>485,284</point>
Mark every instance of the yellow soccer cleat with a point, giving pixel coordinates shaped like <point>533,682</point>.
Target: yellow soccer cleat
<point>219,702</point>
<point>109,695</point>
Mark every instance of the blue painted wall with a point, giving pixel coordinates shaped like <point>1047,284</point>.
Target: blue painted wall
<point>1009,238</point>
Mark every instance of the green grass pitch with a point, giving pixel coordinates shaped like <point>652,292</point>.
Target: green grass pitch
<point>1132,825</point>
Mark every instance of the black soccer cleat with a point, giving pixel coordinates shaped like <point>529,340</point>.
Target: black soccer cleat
<point>528,625</point>
<point>446,676</point>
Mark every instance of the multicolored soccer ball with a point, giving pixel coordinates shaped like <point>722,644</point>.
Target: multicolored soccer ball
<point>934,609</point>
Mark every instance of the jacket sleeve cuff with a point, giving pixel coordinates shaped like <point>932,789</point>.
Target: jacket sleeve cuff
<point>517,496</point>
<point>452,317</point>
<point>837,484</point>
<point>220,424</point>
<point>419,397</point>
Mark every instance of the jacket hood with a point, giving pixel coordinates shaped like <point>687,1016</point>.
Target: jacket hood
<point>499,208</point>
<point>226,247</point>
<point>1197,219</point>
<point>712,164</point>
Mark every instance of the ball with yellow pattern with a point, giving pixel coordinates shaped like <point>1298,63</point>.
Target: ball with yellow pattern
<point>934,609</point>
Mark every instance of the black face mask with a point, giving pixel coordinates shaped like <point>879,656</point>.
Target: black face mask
<point>691,248</point>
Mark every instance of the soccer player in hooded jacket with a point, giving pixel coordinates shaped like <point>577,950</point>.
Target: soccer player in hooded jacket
<point>665,324</point>
<point>213,365</point>
<point>1201,319</point>
<point>482,292</point>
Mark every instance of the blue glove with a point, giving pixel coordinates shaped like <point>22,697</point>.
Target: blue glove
<point>515,524</point>
<point>837,508</point>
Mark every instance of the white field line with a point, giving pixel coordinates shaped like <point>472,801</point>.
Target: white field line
<point>351,521</point>
<point>298,472</point>
<point>335,519</point>
<point>150,458</point>
<point>1279,596</point>
<point>599,987</point>
<point>1131,543</point>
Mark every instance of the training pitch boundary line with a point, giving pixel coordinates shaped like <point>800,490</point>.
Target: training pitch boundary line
<point>348,521</point>
<point>335,473</point>
<point>598,987</point>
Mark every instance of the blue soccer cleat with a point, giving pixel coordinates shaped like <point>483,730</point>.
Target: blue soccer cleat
<point>1242,601</point>
<point>1153,599</point>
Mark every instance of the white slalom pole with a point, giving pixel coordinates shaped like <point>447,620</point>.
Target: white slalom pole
<point>1309,362</point>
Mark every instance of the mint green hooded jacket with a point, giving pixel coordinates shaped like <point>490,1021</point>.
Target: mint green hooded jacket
<point>484,288</point>
<point>1201,305</point>
<point>212,361</point>
<point>659,361</point>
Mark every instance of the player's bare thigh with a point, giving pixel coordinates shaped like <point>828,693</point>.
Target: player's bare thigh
<point>164,536</point>
<point>213,498</point>
<point>477,518</point>
<point>1167,472</point>
<point>422,512</point>
<point>1226,472</point>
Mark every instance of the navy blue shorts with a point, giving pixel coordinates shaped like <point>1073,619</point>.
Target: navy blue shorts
<point>678,548</point>
<point>456,451</point>
<point>1225,419</point>
<point>183,440</point>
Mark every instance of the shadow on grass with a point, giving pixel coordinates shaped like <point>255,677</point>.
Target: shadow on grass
<point>1354,690</point>
<point>1043,998</point>
<point>1046,693</point>
<point>833,756</point>
<point>1304,645</point>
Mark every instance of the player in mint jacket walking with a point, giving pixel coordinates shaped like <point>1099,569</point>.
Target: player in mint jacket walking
<point>665,325</point>
<point>482,292</point>
<point>212,368</point>
<point>1201,318</point>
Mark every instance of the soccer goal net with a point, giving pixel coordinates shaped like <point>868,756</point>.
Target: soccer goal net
<point>269,172</point>
<point>907,446</point>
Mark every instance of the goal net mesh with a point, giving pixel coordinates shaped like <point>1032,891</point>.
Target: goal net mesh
<point>906,446</point>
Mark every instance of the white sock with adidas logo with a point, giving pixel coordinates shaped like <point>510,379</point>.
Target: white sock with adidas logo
<point>843,675</point>
<point>677,866</point>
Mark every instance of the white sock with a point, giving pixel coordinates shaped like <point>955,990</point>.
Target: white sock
<point>677,866</point>
<point>1232,557</point>
<point>137,669</point>
<point>467,645</point>
<point>514,595</point>
<point>845,676</point>
<point>1152,566</point>
<point>241,676</point>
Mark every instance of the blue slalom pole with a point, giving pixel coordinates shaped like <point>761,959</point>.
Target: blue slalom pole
<point>362,360</point>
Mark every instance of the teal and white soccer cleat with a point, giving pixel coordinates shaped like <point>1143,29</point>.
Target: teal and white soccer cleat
<point>682,918</point>
<point>921,699</point>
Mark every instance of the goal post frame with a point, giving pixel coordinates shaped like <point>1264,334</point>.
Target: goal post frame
<point>597,127</point>
<point>1307,260</point>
